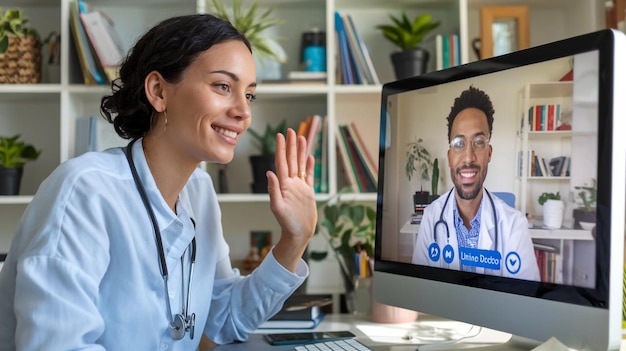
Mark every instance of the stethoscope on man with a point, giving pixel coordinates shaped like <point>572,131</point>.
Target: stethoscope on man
<point>468,256</point>
<point>183,322</point>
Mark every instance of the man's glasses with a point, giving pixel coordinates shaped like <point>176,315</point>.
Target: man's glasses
<point>479,144</point>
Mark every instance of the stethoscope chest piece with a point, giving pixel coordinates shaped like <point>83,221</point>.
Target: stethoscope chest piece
<point>177,327</point>
<point>180,325</point>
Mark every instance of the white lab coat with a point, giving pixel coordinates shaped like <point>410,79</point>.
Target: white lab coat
<point>513,237</point>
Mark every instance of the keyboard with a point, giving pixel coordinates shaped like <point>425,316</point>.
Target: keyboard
<point>339,345</point>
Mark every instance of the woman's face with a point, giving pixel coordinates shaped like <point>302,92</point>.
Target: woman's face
<point>209,109</point>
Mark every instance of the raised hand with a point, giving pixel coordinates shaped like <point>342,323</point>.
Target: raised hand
<point>292,198</point>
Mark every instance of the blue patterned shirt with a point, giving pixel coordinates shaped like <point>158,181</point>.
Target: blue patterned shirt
<point>464,237</point>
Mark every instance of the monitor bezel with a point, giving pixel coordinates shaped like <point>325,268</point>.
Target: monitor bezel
<point>435,289</point>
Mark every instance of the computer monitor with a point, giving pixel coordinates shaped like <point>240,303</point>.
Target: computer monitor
<point>562,104</point>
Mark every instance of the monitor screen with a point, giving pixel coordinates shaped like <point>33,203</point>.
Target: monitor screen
<point>501,192</point>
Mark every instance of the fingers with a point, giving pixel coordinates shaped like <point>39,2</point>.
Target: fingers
<point>292,153</point>
<point>280,159</point>
<point>310,167</point>
<point>302,158</point>
<point>292,159</point>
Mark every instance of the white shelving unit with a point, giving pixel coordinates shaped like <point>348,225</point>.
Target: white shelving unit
<point>546,144</point>
<point>45,114</point>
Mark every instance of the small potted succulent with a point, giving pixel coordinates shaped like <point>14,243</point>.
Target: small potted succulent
<point>407,35</point>
<point>14,153</point>
<point>264,161</point>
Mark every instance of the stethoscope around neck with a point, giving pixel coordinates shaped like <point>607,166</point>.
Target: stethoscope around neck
<point>181,322</point>
<point>442,221</point>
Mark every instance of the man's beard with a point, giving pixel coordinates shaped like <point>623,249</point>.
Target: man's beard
<point>472,193</point>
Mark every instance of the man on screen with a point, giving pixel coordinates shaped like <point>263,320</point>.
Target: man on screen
<point>468,228</point>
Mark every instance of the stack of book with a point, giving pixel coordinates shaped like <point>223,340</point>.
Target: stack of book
<point>448,51</point>
<point>546,117</point>
<point>98,45</point>
<point>300,311</point>
<point>354,63</point>
<point>359,165</point>
<point>546,167</point>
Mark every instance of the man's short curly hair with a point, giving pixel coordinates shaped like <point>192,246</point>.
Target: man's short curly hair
<point>471,98</point>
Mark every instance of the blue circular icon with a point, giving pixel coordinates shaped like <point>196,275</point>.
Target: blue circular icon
<point>448,254</point>
<point>434,252</point>
<point>513,262</point>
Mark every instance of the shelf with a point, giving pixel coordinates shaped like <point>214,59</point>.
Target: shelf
<point>15,200</point>
<point>551,89</point>
<point>358,89</point>
<point>548,178</point>
<point>560,234</point>
<point>291,90</point>
<point>550,133</point>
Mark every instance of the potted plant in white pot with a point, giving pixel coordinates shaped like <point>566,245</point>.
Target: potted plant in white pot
<point>407,35</point>
<point>265,161</point>
<point>552,209</point>
<point>13,155</point>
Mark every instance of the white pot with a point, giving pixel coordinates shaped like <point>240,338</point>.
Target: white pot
<point>553,213</point>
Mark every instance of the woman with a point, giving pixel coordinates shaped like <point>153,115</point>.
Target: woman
<point>123,249</point>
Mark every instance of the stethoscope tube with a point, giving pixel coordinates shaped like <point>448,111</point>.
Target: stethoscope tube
<point>442,220</point>
<point>181,322</point>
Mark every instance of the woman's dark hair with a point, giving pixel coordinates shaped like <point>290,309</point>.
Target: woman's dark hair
<point>168,48</point>
<point>472,98</point>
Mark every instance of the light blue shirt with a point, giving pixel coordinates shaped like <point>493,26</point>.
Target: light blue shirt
<point>83,269</point>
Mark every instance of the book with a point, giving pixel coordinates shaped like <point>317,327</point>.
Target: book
<point>367,172</point>
<point>358,64</point>
<point>324,157</point>
<point>89,68</point>
<point>343,52</point>
<point>300,311</point>
<point>357,168</point>
<point>369,66</point>
<point>371,162</point>
<point>104,41</point>
<point>94,133</point>
<point>365,179</point>
<point>556,165</point>
<point>343,161</point>
<point>314,129</point>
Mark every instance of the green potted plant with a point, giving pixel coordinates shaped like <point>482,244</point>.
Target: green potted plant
<point>266,143</point>
<point>253,22</point>
<point>348,227</point>
<point>585,215</point>
<point>418,160</point>
<point>13,155</point>
<point>552,209</point>
<point>407,35</point>
<point>20,49</point>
